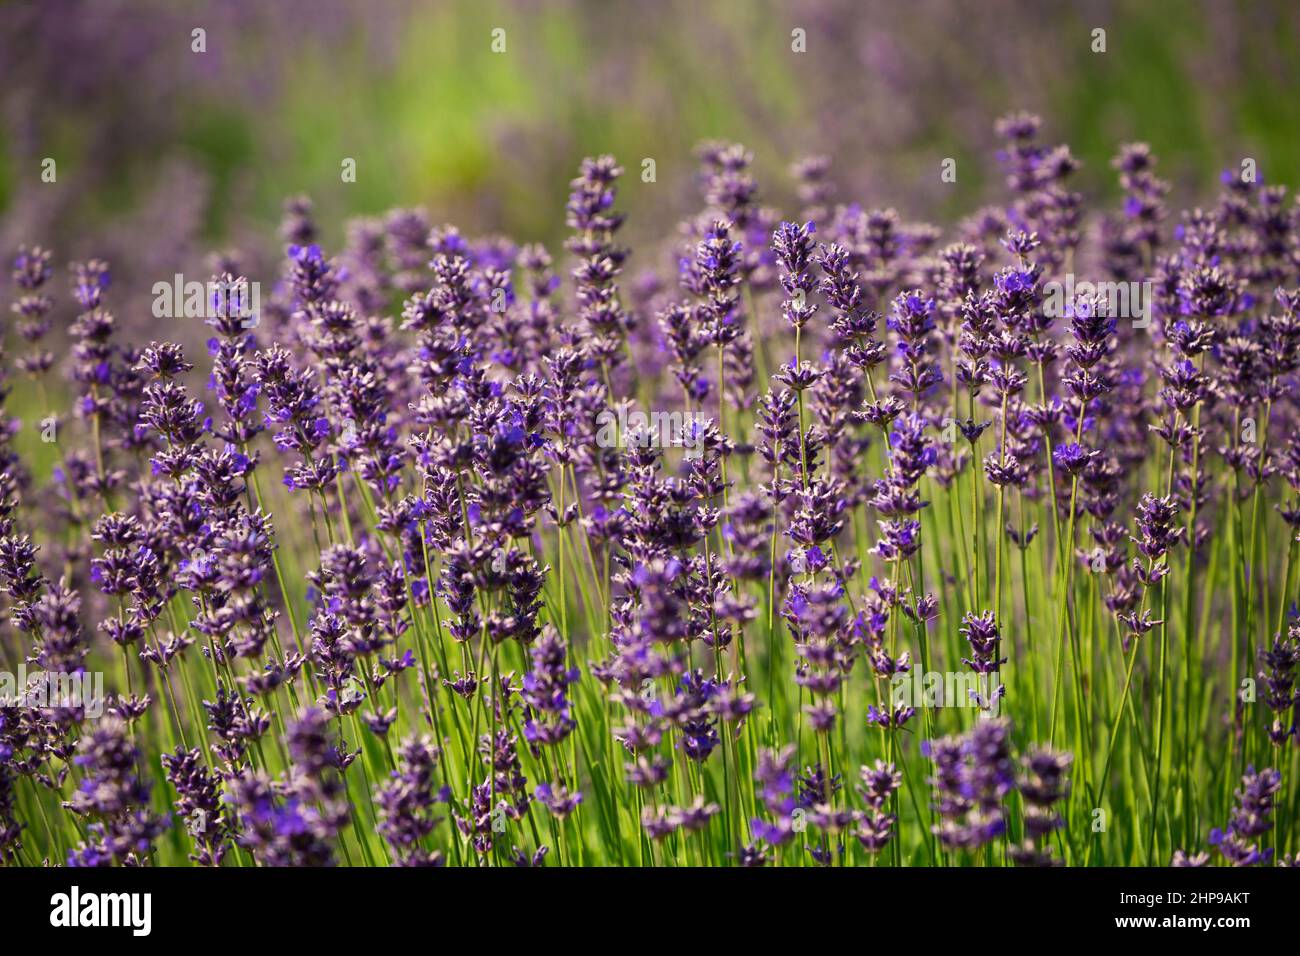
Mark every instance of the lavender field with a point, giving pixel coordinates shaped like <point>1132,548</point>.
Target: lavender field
<point>796,531</point>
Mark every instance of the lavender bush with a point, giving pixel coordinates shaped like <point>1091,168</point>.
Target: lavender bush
<point>855,541</point>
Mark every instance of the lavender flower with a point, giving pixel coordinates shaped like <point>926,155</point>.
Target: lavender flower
<point>1249,819</point>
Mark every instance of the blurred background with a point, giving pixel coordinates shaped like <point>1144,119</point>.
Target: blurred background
<point>164,154</point>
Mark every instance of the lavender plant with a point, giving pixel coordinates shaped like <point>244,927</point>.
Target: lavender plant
<point>468,553</point>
